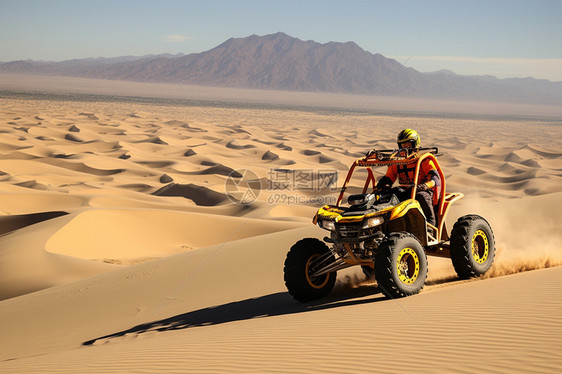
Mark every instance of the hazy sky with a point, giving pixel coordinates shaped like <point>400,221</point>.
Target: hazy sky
<point>505,38</point>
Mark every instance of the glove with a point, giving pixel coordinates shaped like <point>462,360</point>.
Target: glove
<point>382,189</point>
<point>422,187</point>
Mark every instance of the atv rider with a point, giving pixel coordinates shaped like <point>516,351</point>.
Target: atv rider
<point>428,182</point>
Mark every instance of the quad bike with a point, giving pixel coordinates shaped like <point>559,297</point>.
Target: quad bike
<point>389,239</point>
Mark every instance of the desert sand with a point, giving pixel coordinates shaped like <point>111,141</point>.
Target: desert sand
<point>121,250</point>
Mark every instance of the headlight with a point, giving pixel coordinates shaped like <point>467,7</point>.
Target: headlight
<point>326,224</point>
<point>372,222</point>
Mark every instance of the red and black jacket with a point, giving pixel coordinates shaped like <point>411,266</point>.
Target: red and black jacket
<point>405,174</point>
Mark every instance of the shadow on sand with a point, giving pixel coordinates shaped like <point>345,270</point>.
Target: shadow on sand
<point>266,306</point>
<point>16,222</point>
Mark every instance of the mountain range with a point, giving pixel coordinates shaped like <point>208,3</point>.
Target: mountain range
<point>281,62</point>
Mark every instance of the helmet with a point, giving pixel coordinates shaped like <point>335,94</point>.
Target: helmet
<point>408,135</point>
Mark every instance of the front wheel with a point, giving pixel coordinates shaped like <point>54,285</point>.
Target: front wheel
<point>472,246</point>
<point>400,265</point>
<point>303,260</point>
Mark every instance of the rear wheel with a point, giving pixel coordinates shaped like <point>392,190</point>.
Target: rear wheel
<point>472,246</point>
<point>400,265</point>
<point>303,260</point>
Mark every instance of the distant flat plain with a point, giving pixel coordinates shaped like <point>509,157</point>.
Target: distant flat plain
<point>185,94</point>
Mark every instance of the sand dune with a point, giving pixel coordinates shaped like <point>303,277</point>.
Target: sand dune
<point>256,326</point>
<point>122,248</point>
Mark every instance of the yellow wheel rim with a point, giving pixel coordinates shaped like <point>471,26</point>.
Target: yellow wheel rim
<point>313,282</point>
<point>480,247</point>
<point>408,265</point>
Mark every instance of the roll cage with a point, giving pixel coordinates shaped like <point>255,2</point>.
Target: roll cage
<point>402,157</point>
